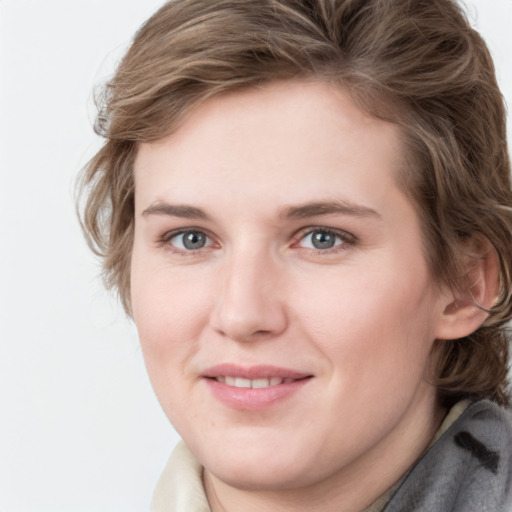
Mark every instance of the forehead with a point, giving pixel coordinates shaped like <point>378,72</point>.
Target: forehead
<point>301,138</point>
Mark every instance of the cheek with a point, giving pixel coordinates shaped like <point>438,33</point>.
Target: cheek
<point>165,300</point>
<point>170,311</point>
<point>168,324</point>
<point>371,320</point>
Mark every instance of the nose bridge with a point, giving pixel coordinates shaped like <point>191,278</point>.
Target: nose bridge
<point>249,304</point>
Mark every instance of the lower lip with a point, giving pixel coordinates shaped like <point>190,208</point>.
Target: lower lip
<point>253,399</point>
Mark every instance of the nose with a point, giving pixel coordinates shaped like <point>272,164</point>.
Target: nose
<point>250,305</point>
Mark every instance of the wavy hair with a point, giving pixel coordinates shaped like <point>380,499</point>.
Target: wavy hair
<point>417,64</point>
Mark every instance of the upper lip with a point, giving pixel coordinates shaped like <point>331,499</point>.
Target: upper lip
<point>252,372</point>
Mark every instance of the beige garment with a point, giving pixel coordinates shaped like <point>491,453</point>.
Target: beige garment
<point>180,487</point>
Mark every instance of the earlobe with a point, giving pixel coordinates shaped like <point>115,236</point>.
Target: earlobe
<point>466,308</point>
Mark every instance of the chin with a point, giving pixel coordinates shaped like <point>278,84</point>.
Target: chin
<point>270,468</point>
<point>263,476</point>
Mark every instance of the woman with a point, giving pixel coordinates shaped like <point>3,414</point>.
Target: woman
<point>306,209</point>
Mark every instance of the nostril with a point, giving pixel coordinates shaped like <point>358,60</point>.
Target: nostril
<point>261,333</point>
<point>245,335</point>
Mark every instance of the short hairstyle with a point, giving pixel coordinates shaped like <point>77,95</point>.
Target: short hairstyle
<point>415,63</point>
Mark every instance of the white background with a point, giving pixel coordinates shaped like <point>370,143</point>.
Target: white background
<point>80,429</point>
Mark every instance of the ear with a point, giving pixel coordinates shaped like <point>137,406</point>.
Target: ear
<point>466,308</point>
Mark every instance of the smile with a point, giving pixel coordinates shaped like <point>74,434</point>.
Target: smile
<point>253,388</point>
<point>239,382</point>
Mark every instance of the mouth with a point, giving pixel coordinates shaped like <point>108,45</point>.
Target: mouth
<point>254,388</point>
<point>239,382</point>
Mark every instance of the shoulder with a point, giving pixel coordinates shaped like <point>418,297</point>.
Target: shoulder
<point>468,469</point>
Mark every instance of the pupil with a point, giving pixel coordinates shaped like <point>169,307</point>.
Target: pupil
<point>194,240</point>
<point>322,240</point>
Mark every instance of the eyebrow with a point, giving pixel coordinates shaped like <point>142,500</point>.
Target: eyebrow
<point>175,210</point>
<point>315,209</point>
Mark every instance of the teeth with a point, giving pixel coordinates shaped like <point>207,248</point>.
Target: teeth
<point>238,382</point>
<point>242,383</point>
<point>260,383</point>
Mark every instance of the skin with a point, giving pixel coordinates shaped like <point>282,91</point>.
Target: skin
<point>360,317</point>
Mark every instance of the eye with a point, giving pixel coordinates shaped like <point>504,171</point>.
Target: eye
<point>323,239</point>
<point>190,240</point>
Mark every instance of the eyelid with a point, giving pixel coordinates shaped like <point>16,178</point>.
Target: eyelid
<point>165,240</point>
<point>346,237</point>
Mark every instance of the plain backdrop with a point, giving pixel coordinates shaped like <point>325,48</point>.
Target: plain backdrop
<point>80,429</point>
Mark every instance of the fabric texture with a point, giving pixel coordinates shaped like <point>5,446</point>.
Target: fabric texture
<point>467,468</point>
<point>180,486</point>
<point>453,415</point>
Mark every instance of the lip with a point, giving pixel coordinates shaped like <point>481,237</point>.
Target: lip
<point>253,372</point>
<point>253,399</point>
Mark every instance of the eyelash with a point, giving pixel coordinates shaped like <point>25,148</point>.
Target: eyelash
<point>165,240</point>
<point>347,240</point>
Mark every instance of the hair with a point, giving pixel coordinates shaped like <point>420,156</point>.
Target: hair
<point>415,63</point>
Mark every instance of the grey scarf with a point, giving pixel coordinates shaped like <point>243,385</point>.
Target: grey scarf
<point>469,469</point>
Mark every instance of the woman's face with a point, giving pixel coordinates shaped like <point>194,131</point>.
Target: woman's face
<point>280,289</point>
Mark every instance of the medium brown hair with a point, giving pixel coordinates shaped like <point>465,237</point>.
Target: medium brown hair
<point>416,63</point>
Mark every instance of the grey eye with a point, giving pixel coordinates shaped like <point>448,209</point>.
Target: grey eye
<point>323,240</point>
<point>190,240</point>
